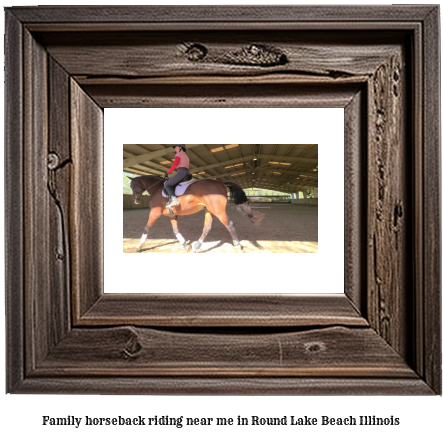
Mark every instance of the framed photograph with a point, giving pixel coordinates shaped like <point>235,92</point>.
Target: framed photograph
<point>285,229</point>
<point>377,332</point>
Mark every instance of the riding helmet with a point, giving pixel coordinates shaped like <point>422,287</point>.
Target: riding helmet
<point>182,146</point>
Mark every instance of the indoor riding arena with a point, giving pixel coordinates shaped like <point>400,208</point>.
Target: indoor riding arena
<point>287,222</point>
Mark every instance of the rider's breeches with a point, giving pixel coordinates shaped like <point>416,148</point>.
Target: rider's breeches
<point>181,174</point>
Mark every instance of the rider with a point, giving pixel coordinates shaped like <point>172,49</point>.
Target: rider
<point>182,163</point>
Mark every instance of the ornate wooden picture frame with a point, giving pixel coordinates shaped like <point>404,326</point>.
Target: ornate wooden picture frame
<point>65,64</point>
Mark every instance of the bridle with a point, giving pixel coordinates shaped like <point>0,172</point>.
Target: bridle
<point>136,195</point>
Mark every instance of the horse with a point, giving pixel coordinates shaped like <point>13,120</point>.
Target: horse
<point>210,195</point>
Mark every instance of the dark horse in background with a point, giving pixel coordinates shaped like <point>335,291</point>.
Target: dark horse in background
<point>205,194</point>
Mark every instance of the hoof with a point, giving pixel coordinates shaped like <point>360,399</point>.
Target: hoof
<point>188,248</point>
<point>195,248</point>
<point>138,247</point>
<point>236,244</point>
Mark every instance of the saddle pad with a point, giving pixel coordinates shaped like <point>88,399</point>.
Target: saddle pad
<point>180,189</point>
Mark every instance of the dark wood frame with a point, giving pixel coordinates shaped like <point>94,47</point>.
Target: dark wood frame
<point>65,336</point>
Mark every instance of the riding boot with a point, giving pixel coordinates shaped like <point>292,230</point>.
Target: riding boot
<point>173,202</point>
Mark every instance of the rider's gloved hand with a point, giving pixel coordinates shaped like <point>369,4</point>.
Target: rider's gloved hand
<point>166,175</point>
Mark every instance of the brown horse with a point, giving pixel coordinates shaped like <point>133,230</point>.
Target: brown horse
<point>205,194</point>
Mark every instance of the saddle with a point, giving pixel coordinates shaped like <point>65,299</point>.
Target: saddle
<point>179,188</point>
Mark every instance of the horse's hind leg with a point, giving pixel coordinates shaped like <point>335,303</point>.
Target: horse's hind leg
<point>224,219</point>
<point>206,228</point>
<point>153,216</point>
<point>179,237</point>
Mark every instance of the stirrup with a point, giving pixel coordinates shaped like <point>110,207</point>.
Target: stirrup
<point>173,202</point>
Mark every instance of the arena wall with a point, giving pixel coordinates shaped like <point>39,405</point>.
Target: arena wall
<point>305,201</point>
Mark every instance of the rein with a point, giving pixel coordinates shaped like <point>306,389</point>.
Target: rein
<point>153,184</point>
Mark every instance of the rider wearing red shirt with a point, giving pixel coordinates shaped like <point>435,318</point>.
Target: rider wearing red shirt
<point>181,162</point>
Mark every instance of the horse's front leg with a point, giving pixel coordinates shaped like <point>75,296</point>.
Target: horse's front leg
<point>180,238</point>
<point>153,216</point>
<point>206,228</point>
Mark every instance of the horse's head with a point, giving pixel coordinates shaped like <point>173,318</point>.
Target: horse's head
<point>137,191</point>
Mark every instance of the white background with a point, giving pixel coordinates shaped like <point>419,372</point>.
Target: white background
<point>297,273</point>
<point>21,414</point>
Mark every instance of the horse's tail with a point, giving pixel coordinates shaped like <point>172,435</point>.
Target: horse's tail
<point>242,203</point>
